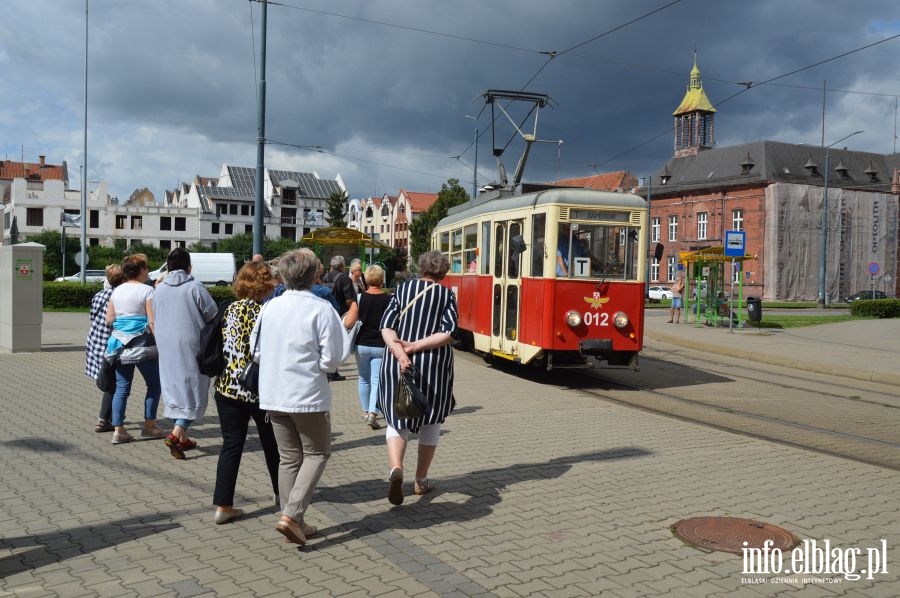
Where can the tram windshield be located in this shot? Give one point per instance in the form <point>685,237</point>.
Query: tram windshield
<point>596,251</point>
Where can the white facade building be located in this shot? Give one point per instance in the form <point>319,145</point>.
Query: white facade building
<point>205,211</point>
<point>387,218</point>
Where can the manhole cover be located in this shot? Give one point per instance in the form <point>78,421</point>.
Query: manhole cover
<point>728,534</point>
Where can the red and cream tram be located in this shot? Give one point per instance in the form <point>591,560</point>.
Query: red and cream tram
<point>552,277</point>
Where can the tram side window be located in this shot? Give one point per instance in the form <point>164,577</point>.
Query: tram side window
<point>470,240</point>
<point>538,234</point>
<point>485,247</point>
<point>445,244</point>
<point>515,252</point>
<point>512,312</point>
<point>498,254</point>
<point>631,253</point>
<point>456,245</point>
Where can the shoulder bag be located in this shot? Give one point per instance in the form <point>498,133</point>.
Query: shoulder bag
<point>106,376</point>
<point>248,377</point>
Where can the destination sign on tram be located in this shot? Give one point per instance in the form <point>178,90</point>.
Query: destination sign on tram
<point>576,214</point>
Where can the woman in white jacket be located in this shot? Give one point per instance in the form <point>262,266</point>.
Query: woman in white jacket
<point>300,338</point>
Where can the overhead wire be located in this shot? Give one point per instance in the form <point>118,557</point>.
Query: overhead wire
<point>552,55</point>
<point>405,27</point>
<point>706,77</point>
<point>323,150</point>
<point>358,149</point>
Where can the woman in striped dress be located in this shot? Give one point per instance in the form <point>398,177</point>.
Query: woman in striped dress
<point>417,328</point>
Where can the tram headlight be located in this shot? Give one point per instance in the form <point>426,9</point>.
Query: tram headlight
<point>620,319</point>
<point>573,318</point>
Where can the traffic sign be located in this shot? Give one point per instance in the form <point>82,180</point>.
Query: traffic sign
<point>735,242</point>
<point>87,259</point>
<point>874,268</point>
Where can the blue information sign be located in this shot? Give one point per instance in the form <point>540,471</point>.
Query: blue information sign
<point>735,241</point>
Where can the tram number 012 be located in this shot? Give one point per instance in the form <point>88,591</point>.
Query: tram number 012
<point>596,318</point>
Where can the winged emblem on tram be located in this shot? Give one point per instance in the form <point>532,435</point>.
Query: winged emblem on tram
<point>596,301</point>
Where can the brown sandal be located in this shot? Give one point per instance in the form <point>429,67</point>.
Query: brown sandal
<point>423,486</point>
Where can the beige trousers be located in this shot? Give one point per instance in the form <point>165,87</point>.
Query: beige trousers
<point>304,445</point>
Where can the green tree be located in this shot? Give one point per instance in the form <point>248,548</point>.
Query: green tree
<point>335,206</point>
<point>451,194</point>
<point>272,248</point>
<point>242,247</point>
<point>156,256</point>
<point>239,245</point>
<point>103,256</point>
<point>392,260</point>
<point>53,252</point>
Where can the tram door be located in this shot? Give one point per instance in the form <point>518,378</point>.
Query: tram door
<point>508,248</point>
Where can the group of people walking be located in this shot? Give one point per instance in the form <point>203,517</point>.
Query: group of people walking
<point>283,322</point>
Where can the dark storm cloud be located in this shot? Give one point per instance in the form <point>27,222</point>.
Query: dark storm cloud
<point>172,84</point>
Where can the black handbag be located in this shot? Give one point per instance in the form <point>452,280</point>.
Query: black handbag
<point>409,400</point>
<point>248,377</point>
<point>106,377</point>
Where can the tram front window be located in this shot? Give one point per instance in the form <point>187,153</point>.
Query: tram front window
<point>596,251</point>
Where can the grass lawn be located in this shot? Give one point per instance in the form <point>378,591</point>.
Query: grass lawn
<point>783,321</point>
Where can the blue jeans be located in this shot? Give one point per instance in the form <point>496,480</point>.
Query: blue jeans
<point>124,375</point>
<point>184,423</point>
<point>368,362</point>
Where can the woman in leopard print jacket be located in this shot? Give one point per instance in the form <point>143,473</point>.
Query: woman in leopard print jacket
<point>235,405</point>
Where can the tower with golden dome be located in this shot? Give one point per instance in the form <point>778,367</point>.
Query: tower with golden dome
<point>694,118</point>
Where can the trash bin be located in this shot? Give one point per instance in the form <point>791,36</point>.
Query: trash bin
<point>754,309</point>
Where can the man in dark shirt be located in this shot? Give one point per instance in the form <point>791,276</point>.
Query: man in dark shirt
<point>342,286</point>
<point>344,293</point>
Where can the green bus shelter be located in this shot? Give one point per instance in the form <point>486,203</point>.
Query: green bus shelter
<point>708,290</point>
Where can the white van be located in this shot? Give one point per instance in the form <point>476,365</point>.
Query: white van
<point>209,268</point>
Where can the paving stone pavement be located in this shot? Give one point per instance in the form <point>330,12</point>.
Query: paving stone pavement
<point>541,492</point>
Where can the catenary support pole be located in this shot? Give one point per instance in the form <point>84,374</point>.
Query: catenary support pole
<point>84,214</point>
<point>258,227</point>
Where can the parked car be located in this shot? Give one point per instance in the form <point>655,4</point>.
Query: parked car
<point>867,294</point>
<point>89,276</point>
<point>658,293</point>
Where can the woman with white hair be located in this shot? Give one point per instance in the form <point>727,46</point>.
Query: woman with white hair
<point>298,338</point>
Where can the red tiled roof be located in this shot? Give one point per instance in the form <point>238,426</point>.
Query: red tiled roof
<point>609,181</point>
<point>419,202</point>
<point>10,170</point>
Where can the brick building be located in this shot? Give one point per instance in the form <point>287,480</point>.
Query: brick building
<point>774,192</point>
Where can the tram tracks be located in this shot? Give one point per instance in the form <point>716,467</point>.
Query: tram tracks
<point>801,379</point>
<point>820,420</point>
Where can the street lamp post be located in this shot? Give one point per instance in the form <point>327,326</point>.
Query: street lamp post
<point>823,242</point>
<point>475,169</point>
